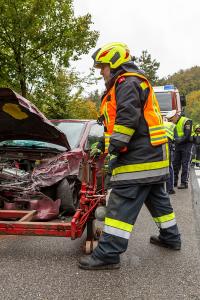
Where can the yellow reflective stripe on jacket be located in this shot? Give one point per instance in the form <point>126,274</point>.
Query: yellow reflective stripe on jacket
<point>144,85</point>
<point>141,167</point>
<point>121,137</point>
<point>157,127</point>
<point>157,139</point>
<point>107,141</point>
<point>166,152</point>
<point>123,129</point>
<point>158,142</point>
<point>165,218</point>
<point>119,224</point>
<point>140,175</point>
<point>157,134</point>
<point>106,113</point>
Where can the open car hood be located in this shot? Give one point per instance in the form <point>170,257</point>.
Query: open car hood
<point>21,120</point>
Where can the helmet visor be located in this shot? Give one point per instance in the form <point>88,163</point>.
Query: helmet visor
<point>94,55</point>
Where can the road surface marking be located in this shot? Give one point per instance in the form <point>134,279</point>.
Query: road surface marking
<point>197,172</point>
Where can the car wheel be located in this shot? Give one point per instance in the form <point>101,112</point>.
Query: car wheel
<point>75,188</point>
<point>65,194</point>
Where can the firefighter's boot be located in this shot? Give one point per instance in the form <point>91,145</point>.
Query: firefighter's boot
<point>159,242</point>
<point>91,262</point>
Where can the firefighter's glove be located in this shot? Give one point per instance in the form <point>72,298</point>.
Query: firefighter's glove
<point>95,153</point>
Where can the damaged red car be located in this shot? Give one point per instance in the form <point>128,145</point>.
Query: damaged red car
<point>41,160</point>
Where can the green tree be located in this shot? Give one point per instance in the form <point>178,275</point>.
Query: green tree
<point>193,106</point>
<point>54,97</point>
<point>148,65</point>
<point>38,37</point>
<point>86,109</point>
<point>61,98</point>
<point>185,80</point>
<point>96,98</point>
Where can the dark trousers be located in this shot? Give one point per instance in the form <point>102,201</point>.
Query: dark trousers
<point>182,160</point>
<point>124,204</point>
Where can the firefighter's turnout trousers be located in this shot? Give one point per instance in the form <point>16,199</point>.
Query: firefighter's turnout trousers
<point>182,160</point>
<point>123,207</point>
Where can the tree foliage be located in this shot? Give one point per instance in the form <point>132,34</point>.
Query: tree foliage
<point>38,41</point>
<point>148,65</point>
<point>38,37</point>
<point>185,80</point>
<point>193,106</point>
<point>96,98</point>
<point>53,98</point>
<point>83,109</point>
<point>61,98</point>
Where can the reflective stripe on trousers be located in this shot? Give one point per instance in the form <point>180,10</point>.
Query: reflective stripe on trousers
<point>118,228</point>
<point>165,221</point>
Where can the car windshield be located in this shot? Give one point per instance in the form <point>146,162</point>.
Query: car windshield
<point>165,101</point>
<point>72,130</point>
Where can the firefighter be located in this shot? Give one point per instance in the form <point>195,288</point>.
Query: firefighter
<point>136,142</point>
<point>169,127</point>
<point>183,147</point>
<point>196,147</point>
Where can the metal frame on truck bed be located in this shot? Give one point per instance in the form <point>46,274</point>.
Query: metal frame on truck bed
<point>19,222</point>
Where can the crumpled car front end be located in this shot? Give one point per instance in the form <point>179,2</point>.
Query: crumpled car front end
<point>30,170</point>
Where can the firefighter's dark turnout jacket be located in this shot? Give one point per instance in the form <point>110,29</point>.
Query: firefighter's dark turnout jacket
<point>133,122</point>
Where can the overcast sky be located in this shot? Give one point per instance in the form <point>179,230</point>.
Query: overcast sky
<point>168,30</point>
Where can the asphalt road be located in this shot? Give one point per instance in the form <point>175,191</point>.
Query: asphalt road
<point>46,268</point>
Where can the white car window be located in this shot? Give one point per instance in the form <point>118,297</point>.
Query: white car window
<point>95,134</point>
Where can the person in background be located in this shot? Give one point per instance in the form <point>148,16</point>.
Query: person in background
<point>196,147</point>
<point>170,127</point>
<point>183,147</point>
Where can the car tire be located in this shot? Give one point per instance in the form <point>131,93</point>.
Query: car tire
<point>65,194</point>
<point>75,186</point>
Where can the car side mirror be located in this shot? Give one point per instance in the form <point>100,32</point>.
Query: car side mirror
<point>183,100</point>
